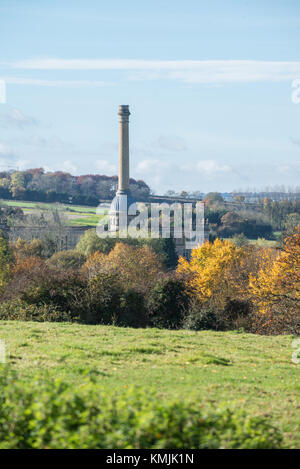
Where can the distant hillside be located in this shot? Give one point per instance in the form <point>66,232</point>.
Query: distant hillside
<point>40,186</point>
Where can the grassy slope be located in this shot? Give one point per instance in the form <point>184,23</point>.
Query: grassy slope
<point>252,372</point>
<point>76,215</point>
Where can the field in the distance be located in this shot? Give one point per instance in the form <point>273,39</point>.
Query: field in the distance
<point>251,372</point>
<point>72,215</point>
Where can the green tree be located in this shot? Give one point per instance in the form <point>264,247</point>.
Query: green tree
<point>6,258</point>
<point>90,242</point>
<point>17,184</point>
<point>70,259</point>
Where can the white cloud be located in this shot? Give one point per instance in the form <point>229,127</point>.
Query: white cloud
<point>8,160</point>
<point>209,168</point>
<point>153,171</point>
<point>22,164</point>
<point>52,142</point>
<point>54,83</point>
<point>150,165</point>
<point>5,151</point>
<point>15,118</point>
<point>288,169</point>
<point>171,143</point>
<point>190,71</point>
<point>295,141</point>
<point>69,167</point>
<point>105,167</point>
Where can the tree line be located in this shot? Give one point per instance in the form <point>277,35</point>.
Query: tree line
<point>138,283</point>
<point>46,186</point>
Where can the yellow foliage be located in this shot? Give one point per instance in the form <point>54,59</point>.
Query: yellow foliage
<point>278,282</point>
<point>94,264</point>
<point>219,271</point>
<point>23,249</point>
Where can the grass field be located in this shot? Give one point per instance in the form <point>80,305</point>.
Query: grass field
<point>74,215</point>
<point>245,371</point>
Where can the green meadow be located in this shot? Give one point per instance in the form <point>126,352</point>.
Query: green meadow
<point>73,215</point>
<point>243,371</point>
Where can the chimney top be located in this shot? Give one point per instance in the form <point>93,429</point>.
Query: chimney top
<point>124,110</point>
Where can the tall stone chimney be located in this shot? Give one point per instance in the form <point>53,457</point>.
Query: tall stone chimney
<point>123,185</point>
<point>123,200</point>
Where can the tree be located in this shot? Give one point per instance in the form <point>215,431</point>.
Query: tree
<point>239,199</point>
<point>167,303</point>
<point>17,184</point>
<point>230,219</point>
<point>278,283</point>
<point>136,267</point>
<point>90,242</point>
<point>240,240</point>
<point>218,272</point>
<point>5,261</point>
<point>165,249</point>
<point>23,249</point>
<point>292,220</point>
<point>213,198</point>
<point>70,259</point>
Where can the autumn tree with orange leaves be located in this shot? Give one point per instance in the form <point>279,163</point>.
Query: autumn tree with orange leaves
<point>277,286</point>
<point>136,267</point>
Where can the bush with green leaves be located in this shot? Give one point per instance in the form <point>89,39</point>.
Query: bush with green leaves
<point>21,311</point>
<point>102,300</point>
<point>201,317</point>
<point>64,290</point>
<point>70,259</point>
<point>6,257</point>
<point>51,414</point>
<point>90,242</point>
<point>132,310</point>
<point>167,303</point>
<point>108,302</point>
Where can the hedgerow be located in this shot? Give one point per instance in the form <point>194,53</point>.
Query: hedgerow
<point>54,414</point>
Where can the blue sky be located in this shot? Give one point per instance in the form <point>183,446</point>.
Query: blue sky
<point>209,84</point>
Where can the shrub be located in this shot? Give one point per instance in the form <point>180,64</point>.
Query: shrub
<point>201,317</point>
<point>280,320</point>
<point>132,310</point>
<point>136,267</point>
<point>235,309</point>
<point>240,240</point>
<point>107,301</point>
<point>6,257</point>
<point>165,249</point>
<point>102,300</point>
<point>23,248</point>
<point>52,414</point>
<point>66,260</point>
<point>18,310</point>
<point>167,303</point>
<point>63,290</point>
<point>90,242</point>
<point>35,284</point>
